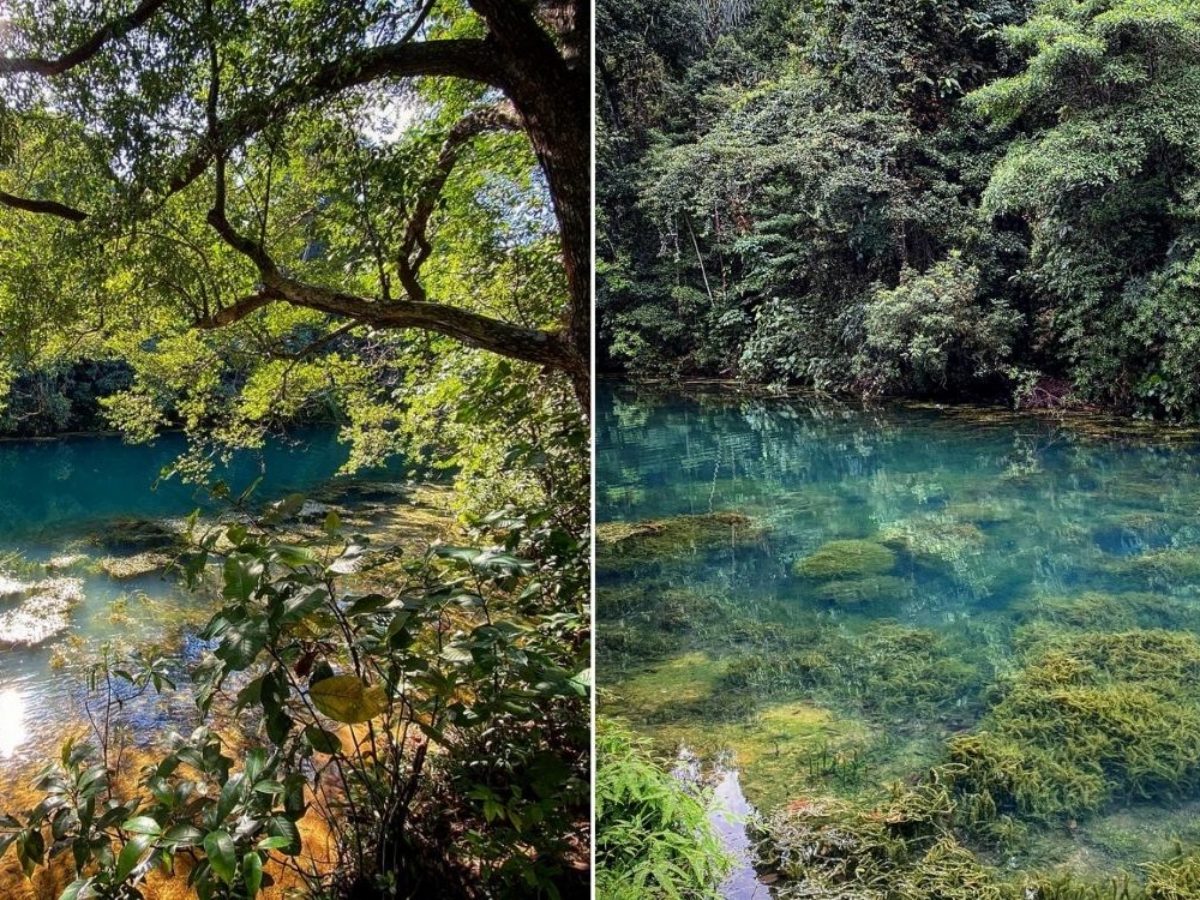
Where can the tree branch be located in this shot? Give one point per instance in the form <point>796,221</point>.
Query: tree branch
<point>475,330</point>
<point>545,348</point>
<point>110,31</point>
<point>45,207</point>
<point>457,58</point>
<point>415,248</point>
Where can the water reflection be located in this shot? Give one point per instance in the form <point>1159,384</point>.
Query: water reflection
<point>730,814</point>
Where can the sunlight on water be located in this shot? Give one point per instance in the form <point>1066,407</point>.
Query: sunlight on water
<point>12,722</point>
<point>64,513</point>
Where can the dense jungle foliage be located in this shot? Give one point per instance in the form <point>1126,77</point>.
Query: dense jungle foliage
<point>234,217</point>
<point>978,198</point>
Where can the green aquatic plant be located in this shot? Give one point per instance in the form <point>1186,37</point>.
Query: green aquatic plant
<point>1087,721</point>
<point>887,670</point>
<point>901,848</point>
<point>653,835</point>
<point>849,559</point>
<point>1174,564</point>
<point>660,604</point>
<point>1174,879</point>
<point>623,547</point>
<point>872,590</point>
<point>1046,618</point>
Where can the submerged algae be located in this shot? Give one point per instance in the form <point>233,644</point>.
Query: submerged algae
<point>629,546</point>
<point>888,670</point>
<point>870,590</point>
<point>848,559</point>
<point>1102,716</point>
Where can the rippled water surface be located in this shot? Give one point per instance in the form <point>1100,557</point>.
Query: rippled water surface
<point>63,498</point>
<point>849,591</point>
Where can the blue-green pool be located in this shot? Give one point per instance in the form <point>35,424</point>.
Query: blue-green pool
<point>58,499</point>
<point>833,601</point>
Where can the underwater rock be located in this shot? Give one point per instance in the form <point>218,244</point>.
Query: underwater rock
<point>137,535</point>
<point>982,512</point>
<point>312,511</point>
<point>1046,616</point>
<point>936,538</point>
<point>42,614</point>
<point>1172,564</point>
<point>848,559</point>
<point>1132,534</point>
<point>65,561</point>
<point>673,688</point>
<point>11,587</point>
<point>123,568</point>
<point>624,546</point>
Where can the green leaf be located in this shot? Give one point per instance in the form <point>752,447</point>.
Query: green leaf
<point>143,825</point>
<point>218,846</point>
<point>323,741</point>
<point>241,577</point>
<point>252,874</point>
<point>367,604</point>
<point>180,836</point>
<point>303,604</point>
<point>76,888</point>
<point>348,699</point>
<point>132,854</point>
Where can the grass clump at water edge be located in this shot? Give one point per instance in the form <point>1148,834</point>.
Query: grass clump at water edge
<point>653,835</point>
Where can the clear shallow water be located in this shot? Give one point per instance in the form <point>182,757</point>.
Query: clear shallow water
<point>997,530</point>
<point>57,497</point>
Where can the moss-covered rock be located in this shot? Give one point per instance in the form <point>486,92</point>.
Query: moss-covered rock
<point>123,568</point>
<point>934,538</point>
<point>627,546</point>
<point>43,613</point>
<point>850,559</point>
<point>1176,564</point>
<point>671,688</point>
<point>1044,618</point>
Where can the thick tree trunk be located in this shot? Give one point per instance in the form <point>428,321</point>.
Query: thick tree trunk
<point>551,92</point>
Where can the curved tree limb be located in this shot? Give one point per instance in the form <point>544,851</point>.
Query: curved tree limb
<point>466,58</point>
<point>415,248</point>
<point>475,330</point>
<point>45,207</point>
<point>110,31</point>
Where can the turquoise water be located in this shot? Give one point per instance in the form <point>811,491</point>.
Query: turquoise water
<point>968,541</point>
<point>64,497</point>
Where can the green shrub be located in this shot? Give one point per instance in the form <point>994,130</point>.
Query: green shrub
<point>653,837</point>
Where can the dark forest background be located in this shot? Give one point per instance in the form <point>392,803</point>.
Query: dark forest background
<point>974,199</point>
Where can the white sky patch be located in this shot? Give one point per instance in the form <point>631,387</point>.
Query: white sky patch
<point>385,120</point>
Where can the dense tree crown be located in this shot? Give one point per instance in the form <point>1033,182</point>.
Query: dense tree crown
<point>982,197</point>
<point>251,212</point>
